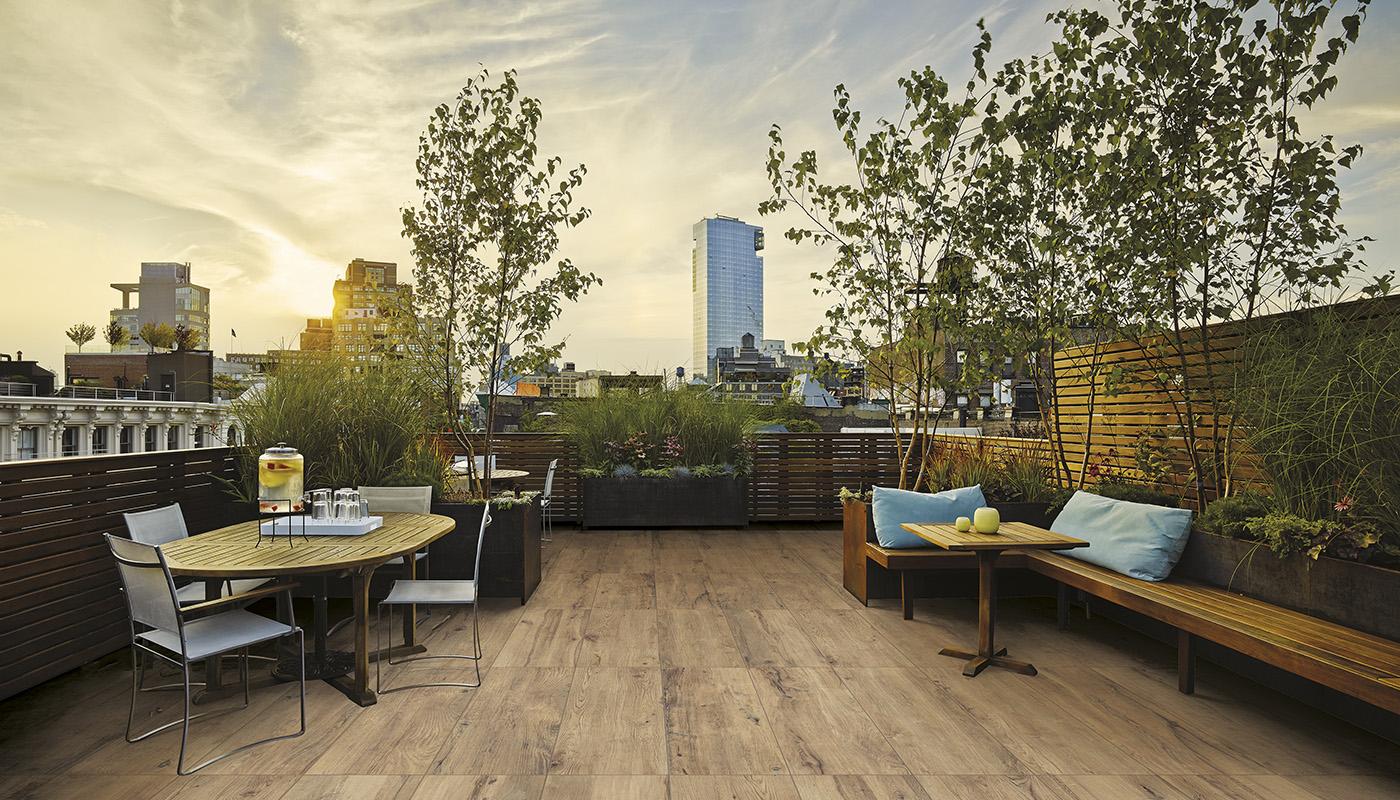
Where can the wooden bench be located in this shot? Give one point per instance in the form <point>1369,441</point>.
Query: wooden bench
<point>1352,662</point>
<point>867,567</point>
<point>904,562</point>
<point>1358,664</point>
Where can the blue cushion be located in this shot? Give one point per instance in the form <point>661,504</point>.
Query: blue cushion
<point>1137,539</point>
<point>894,507</point>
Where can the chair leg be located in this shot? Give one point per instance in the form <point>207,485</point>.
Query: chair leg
<point>243,673</point>
<point>301,728</point>
<point>136,659</point>
<point>388,656</point>
<point>185,726</point>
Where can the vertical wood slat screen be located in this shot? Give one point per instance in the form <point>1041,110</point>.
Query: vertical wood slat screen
<point>59,600</point>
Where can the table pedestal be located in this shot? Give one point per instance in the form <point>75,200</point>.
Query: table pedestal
<point>986,654</point>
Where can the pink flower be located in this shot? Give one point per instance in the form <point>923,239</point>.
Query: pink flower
<point>1344,505</point>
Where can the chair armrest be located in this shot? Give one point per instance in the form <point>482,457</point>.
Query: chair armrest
<point>241,597</point>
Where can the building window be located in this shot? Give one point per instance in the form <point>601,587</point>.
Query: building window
<point>71,436</point>
<point>101,440</point>
<point>151,441</point>
<point>172,438</point>
<point>28,443</point>
<point>199,436</point>
<point>232,436</point>
<point>126,439</point>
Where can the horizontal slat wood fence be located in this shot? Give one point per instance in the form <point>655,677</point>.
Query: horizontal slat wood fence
<point>797,477</point>
<point>59,604</point>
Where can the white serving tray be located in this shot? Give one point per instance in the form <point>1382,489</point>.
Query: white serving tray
<point>320,527</point>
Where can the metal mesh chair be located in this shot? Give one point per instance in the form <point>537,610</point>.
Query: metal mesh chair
<point>546,502</point>
<point>408,499</point>
<point>433,593</point>
<point>164,629</point>
<point>167,524</point>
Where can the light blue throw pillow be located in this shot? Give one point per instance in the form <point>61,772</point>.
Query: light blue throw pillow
<point>1137,539</point>
<point>894,507</point>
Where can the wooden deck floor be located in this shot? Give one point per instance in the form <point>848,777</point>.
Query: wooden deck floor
<point>656,665</point>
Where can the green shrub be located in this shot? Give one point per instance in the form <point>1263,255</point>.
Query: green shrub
<point>658,430</point>
<point>353,428</point>
<point>1318,397</point>
<point>1230,516</point>
<point>1027,479</point>
<point>1288,534</point>
<point>1135,493</point>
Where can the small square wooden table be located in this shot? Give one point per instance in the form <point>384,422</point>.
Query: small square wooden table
<point>987,546</point>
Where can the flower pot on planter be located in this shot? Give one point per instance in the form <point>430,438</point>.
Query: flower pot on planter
<point>665,502</point>
<point>1349,593</point>
<point>510,557</point>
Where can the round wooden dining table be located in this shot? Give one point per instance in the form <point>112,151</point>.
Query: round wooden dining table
<point>238,551</point>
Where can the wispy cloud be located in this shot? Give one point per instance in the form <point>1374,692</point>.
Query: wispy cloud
<point>270,143</point>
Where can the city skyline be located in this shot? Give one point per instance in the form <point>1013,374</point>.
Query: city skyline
<point>272,160</point>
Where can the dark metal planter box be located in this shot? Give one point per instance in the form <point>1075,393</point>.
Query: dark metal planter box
<point>665,502</point>
<point>1349,593</point>
<point>510,560</point>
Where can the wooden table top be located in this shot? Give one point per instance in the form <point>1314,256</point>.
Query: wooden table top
<point>1011,536</point>
<point>233,552</point>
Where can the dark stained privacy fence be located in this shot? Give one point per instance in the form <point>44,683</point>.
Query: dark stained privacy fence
<point>59,603</point>
<point>796,476</point>
<point>59,600</point>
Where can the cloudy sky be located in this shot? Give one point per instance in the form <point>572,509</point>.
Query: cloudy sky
<point>270,143</point>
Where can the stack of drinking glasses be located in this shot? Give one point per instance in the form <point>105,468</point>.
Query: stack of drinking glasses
<point>340,505</point>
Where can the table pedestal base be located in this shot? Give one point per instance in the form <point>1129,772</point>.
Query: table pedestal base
<point>976,662</point>
<point>319,667</point>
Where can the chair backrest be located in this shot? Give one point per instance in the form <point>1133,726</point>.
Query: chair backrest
<point>157,526</point>
<point>411,499</point>
<point>149,589</point>
<point>549,480</point>
<point>480,540</point>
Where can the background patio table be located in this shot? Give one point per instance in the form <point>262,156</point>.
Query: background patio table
<point>234,552</point>
<point>460,483</point>
<point>987,546</point>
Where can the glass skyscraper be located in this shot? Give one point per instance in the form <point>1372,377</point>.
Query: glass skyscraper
<point>726,287</point>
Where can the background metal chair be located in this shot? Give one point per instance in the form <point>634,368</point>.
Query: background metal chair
<point>407,499</point>
<point>167,524</point>
<point>163,628</point>
<point>433,593</point>
<point>546,503</point>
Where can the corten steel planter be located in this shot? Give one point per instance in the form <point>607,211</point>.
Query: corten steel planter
<point>665,502</point>
<point>867,580</point>
<point>1349,593</point>
<point>510,558</point>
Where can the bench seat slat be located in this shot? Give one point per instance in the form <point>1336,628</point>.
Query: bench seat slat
<point>1350,661</point>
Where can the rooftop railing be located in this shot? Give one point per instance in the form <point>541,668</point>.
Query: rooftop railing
<point>105,393</point>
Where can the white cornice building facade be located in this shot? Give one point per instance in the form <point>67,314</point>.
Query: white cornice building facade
<point>55,427</point>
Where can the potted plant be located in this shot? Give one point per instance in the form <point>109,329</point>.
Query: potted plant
<point>1340,567</point>
<point>510,556</point>
<point>488,285</point>
<point>661,459</point>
